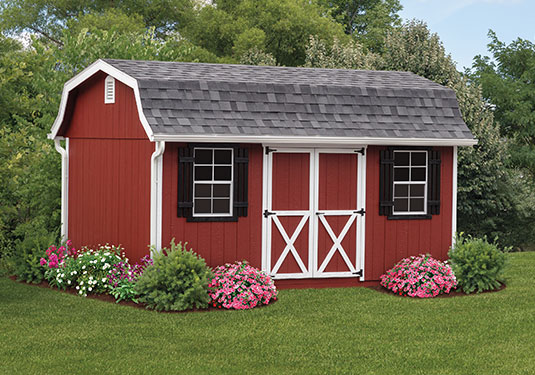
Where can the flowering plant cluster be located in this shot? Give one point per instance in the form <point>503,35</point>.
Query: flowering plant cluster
<point>86,271</point>
<point>56,255</point>
<point>122,278</point>
<point>421,276</point>
<point>240,286</point>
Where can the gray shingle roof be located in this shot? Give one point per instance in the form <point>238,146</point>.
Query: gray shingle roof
<point>206,99</point>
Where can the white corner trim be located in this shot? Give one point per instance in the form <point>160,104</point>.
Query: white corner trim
<point>156,180</point>
<point>74,82</point>
<point>454,198</point>
<point>64,152</point>
<point>315,141</point>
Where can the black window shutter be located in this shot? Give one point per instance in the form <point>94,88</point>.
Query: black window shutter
<point>241,177</point>
<point>386,182</point>
<point>185,181</point>
<point>433,188</point>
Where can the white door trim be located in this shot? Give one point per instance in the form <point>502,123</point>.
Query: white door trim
<point>310,216</point>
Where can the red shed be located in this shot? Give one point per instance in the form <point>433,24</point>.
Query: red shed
<point>320,177</point>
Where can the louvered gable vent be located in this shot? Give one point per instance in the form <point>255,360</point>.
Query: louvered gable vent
<point>109,90</point>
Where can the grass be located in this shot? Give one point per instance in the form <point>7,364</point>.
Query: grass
<point>323,331</point>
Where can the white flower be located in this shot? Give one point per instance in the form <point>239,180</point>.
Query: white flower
<point>83,267</point>
<point>90,289</point>
<point>81,283</point>
<point>60,281</point>
<point>80,292</point>
<point>103,279</point>
<point>77,287</point>
<point>62,275</point>
<point>69,282</point>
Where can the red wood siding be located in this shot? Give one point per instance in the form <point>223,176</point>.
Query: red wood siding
<point>109,170</point>
<point>387,241</point>
<point>217,242</point>
<point>91,118</point>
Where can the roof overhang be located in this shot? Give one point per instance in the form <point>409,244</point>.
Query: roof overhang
<point>321,141</point>
<point>85,74</point>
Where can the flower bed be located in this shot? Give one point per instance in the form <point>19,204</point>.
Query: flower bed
<point>421,276</point>
<point>177,279</point>
<point>240,286</point>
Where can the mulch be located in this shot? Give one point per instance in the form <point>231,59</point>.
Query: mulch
<point>111,299</point>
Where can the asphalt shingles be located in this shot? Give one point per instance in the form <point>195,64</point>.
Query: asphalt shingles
<point>191,98</point>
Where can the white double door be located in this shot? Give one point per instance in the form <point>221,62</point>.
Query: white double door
<point>313,219</point>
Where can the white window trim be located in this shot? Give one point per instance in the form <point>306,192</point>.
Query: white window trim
<point>215,182</point>
<point>425,183</point>
<point>109,95</point>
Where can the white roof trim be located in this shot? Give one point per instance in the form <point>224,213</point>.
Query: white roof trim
<point>97,66</point>
<point>333,141</point>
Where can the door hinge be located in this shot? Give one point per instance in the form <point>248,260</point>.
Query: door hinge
<point>267,213</point>
<point>361,151</point>
<point>358,273</point>
<point>320,213</point>
<point>269,149</point>
<point>361,212</point>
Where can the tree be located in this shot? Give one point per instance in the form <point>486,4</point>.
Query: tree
<point>368,20</point>
<point>508,83</point>
<point>278,27</point>
<point>49,17</point>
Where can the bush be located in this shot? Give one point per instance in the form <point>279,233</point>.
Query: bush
<point>178,280</point>
<point>240,286</point>
<point>28,252</point>
<point>477,264</point>
<point>421,276</point>
<point>87,270</point>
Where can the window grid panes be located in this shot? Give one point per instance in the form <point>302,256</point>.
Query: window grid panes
<point>410,182</point>
<point>212,182</point>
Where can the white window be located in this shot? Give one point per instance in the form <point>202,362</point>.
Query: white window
<point>109,90</point>
<point>212,182</point>
<point>410,182</point>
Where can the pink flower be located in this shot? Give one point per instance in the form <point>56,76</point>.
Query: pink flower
<point>42,262</point>
<point>68,243</point>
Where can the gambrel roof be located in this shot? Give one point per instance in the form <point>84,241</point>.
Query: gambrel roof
<point>197,100</point>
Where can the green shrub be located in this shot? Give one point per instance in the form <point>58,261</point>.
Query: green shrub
<point>477,264</point>
<point>28,252</point>
<point>178,280</point>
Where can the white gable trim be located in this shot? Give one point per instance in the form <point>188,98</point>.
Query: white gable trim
<point>92,69</point>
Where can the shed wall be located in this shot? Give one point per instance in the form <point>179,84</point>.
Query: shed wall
<point>388,241</point>
<point>216,242</point>
<point>109,170</point>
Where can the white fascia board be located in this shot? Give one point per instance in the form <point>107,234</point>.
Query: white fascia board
<point>97,66</point>
<point>320,141</point>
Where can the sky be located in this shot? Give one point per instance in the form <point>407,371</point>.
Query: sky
<point>462,25</point>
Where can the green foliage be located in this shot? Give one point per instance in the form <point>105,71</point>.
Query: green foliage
<point>88,272</point>
<point>278,27</point>
<point>49,17</point>
<point>337,55</point>
<point>368,20</point>
<point>257,57</point>
<point>125,291</point>
<point>477,264</point>
<point>508,83</point>
<point>178,280</point>
<point>29,251</point>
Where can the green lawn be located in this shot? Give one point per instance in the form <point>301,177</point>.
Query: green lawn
<point>324,331</point>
